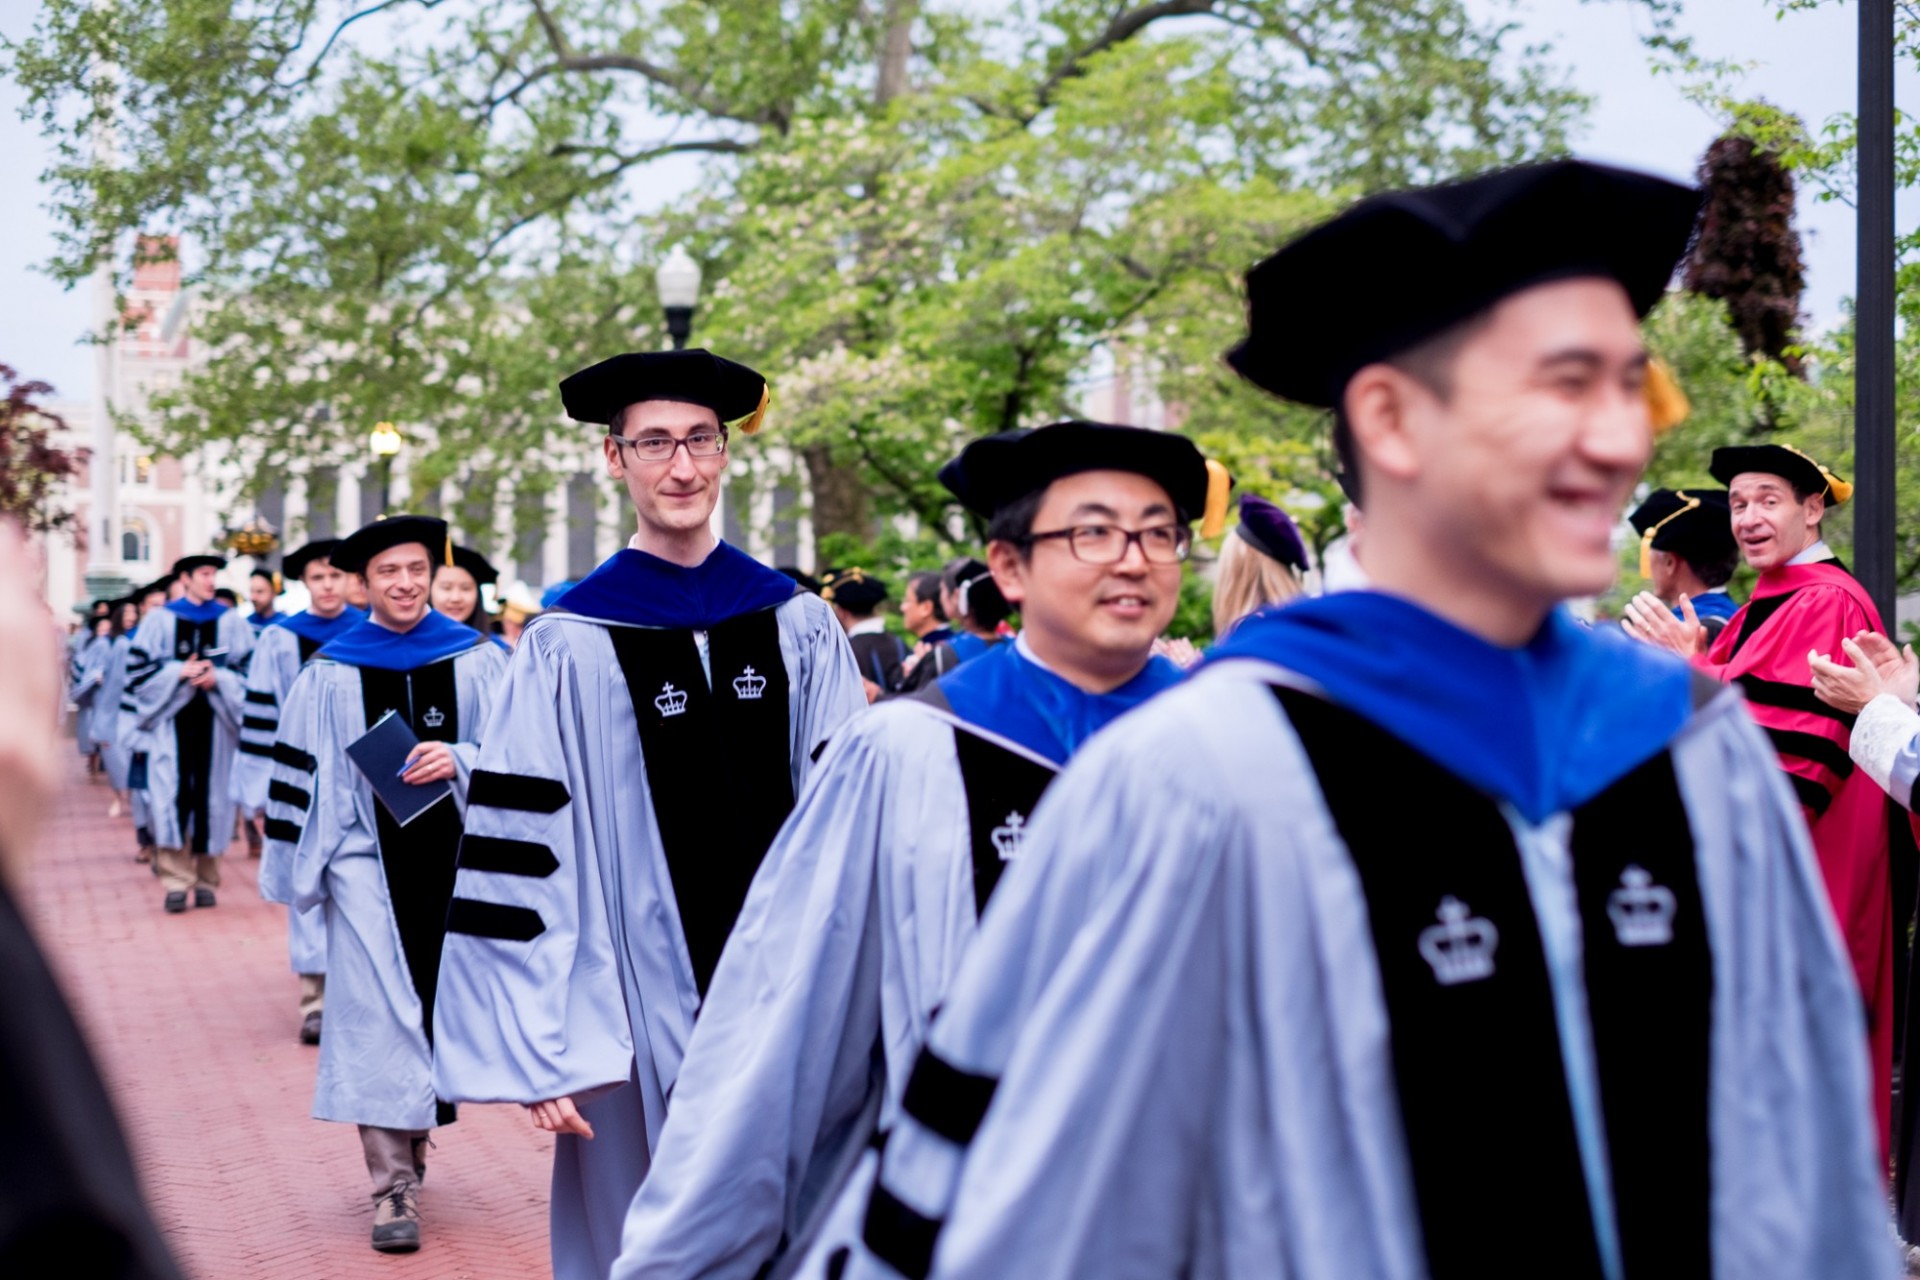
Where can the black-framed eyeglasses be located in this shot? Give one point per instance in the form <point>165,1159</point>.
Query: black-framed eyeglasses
<point>661,448</point>
<point>1108,543</point>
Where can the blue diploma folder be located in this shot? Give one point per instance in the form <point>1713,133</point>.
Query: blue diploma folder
<point>380,753</point>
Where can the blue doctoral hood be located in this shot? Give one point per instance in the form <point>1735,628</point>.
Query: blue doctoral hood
<point>434,639</point>
<point>1544,727</point>
<point>196,612</point>
<point>643,590</point>
<point>1009,693</point>
<point>321,630</point>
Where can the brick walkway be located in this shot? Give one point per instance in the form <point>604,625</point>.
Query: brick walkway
<point>192,1018</point>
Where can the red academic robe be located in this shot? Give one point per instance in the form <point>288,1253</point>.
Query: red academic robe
<point>1795,610</point>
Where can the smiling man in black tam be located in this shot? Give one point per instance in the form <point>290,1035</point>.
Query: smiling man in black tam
<point>1423,931</point>
<point>872,892</point>
<point>335,845</point>
<point>654,728</point>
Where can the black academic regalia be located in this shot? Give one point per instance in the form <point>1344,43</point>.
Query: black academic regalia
<point>70,1202</point>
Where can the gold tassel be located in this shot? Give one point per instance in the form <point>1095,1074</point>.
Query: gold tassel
<point>758,417</point>
<point>1213,521</point>
<point>1646,539</point>
<point>1837,489</point>
<point>449,548</point>
<point>1667,404</point>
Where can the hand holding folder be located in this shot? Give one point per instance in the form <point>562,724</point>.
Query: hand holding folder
<point>381,756</point>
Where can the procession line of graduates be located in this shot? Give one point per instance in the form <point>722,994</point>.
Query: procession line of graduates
<point>1422,932</point>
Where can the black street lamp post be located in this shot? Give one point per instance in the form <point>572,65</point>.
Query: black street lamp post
<point>1873,388</point>
<point>678,281</point>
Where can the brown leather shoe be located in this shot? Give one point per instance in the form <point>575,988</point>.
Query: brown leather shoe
<point>396,1220</point>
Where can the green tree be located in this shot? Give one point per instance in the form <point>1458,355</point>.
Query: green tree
<point>922,220</point>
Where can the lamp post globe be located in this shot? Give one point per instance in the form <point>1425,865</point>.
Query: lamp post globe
<point>384,442</point>
<point>678,282</point>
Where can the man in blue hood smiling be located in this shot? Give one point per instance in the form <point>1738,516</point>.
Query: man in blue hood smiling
<point>1423,931</point>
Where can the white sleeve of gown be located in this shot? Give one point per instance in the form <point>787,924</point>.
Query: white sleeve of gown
<point>270,673</point>
<point>781,1065</point>
<point>309,796</point>
<point>1886,743</point>
<point>530,1003</point>
<point>833,692</point>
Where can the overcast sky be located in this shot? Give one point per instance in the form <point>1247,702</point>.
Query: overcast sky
<point>1805,64</point>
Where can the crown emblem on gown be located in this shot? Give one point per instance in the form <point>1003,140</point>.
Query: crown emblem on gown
<point>671,701</point>
<point>748,686</point>
<point>1641,911</point>
<point>434,718</point>
<point>1007,836</point>
<point>1460,948</point>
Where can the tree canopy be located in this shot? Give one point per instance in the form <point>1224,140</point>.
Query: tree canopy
<point>923,221</point>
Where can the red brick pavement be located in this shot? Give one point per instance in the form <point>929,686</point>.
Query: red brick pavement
<point>192,1018</point>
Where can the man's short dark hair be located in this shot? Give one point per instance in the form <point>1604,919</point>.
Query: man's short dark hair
<point>1428,362</point>
<point>263,573</point>
<point>1716,573</point>
<point>925,587</point>
<point>1013,522</point>
<point>227,594</point>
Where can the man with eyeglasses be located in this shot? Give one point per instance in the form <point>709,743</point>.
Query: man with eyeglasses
<point>1422,931</point>
<point>872,891</point>
<point>654,728</point>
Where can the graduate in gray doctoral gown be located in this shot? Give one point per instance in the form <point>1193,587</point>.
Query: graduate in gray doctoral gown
<point>383,887</point>
<point>187,733</point>
<point>650,738</point>
<point>103,722</point>
<point>868,899</point>
<point>283,647</point>
<point>1395,946</point>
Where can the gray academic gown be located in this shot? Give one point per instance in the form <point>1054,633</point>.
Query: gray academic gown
<point>189,800</point>
<point>103,724</point>
<point>596,995</point>
<point>856,921</point>
<point>1168,1052</point>
<point>270,675</point>
<point>324,853</point>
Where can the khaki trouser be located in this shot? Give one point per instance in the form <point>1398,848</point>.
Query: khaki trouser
<point>313,993</point>
<point>181,871</point>
<point>393,1156</point>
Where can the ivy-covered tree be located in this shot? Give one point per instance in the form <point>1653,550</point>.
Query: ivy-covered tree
<point>1747,253</point>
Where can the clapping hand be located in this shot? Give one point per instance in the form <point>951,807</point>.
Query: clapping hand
<point>1878,668</point>
<point>1648,618</point>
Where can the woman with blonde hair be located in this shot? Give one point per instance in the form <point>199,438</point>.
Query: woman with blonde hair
<point>1260,564</point>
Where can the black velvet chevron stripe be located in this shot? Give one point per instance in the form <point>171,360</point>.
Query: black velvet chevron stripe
<point>1811,793</point>
<point>899,1235</point>
<point>492,920</point>
<point>129,708</point>
<point>263,697</point>
<point>281,829</point>
<point>1790,697</point>
<point>507,857</point>
<point>287,793</point>
<point>1758,611</point>
<point>520,791</point>
<point>945,1099</point>
<point>259,722</point>
<point>1824,752</point>
<point>256,749</point>
<point>293,757</point>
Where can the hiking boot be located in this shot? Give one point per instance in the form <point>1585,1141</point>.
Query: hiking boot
<point>310,1028</point>
<point>396,1220</point>
<point>203,898</point>
<point>176,902</point>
